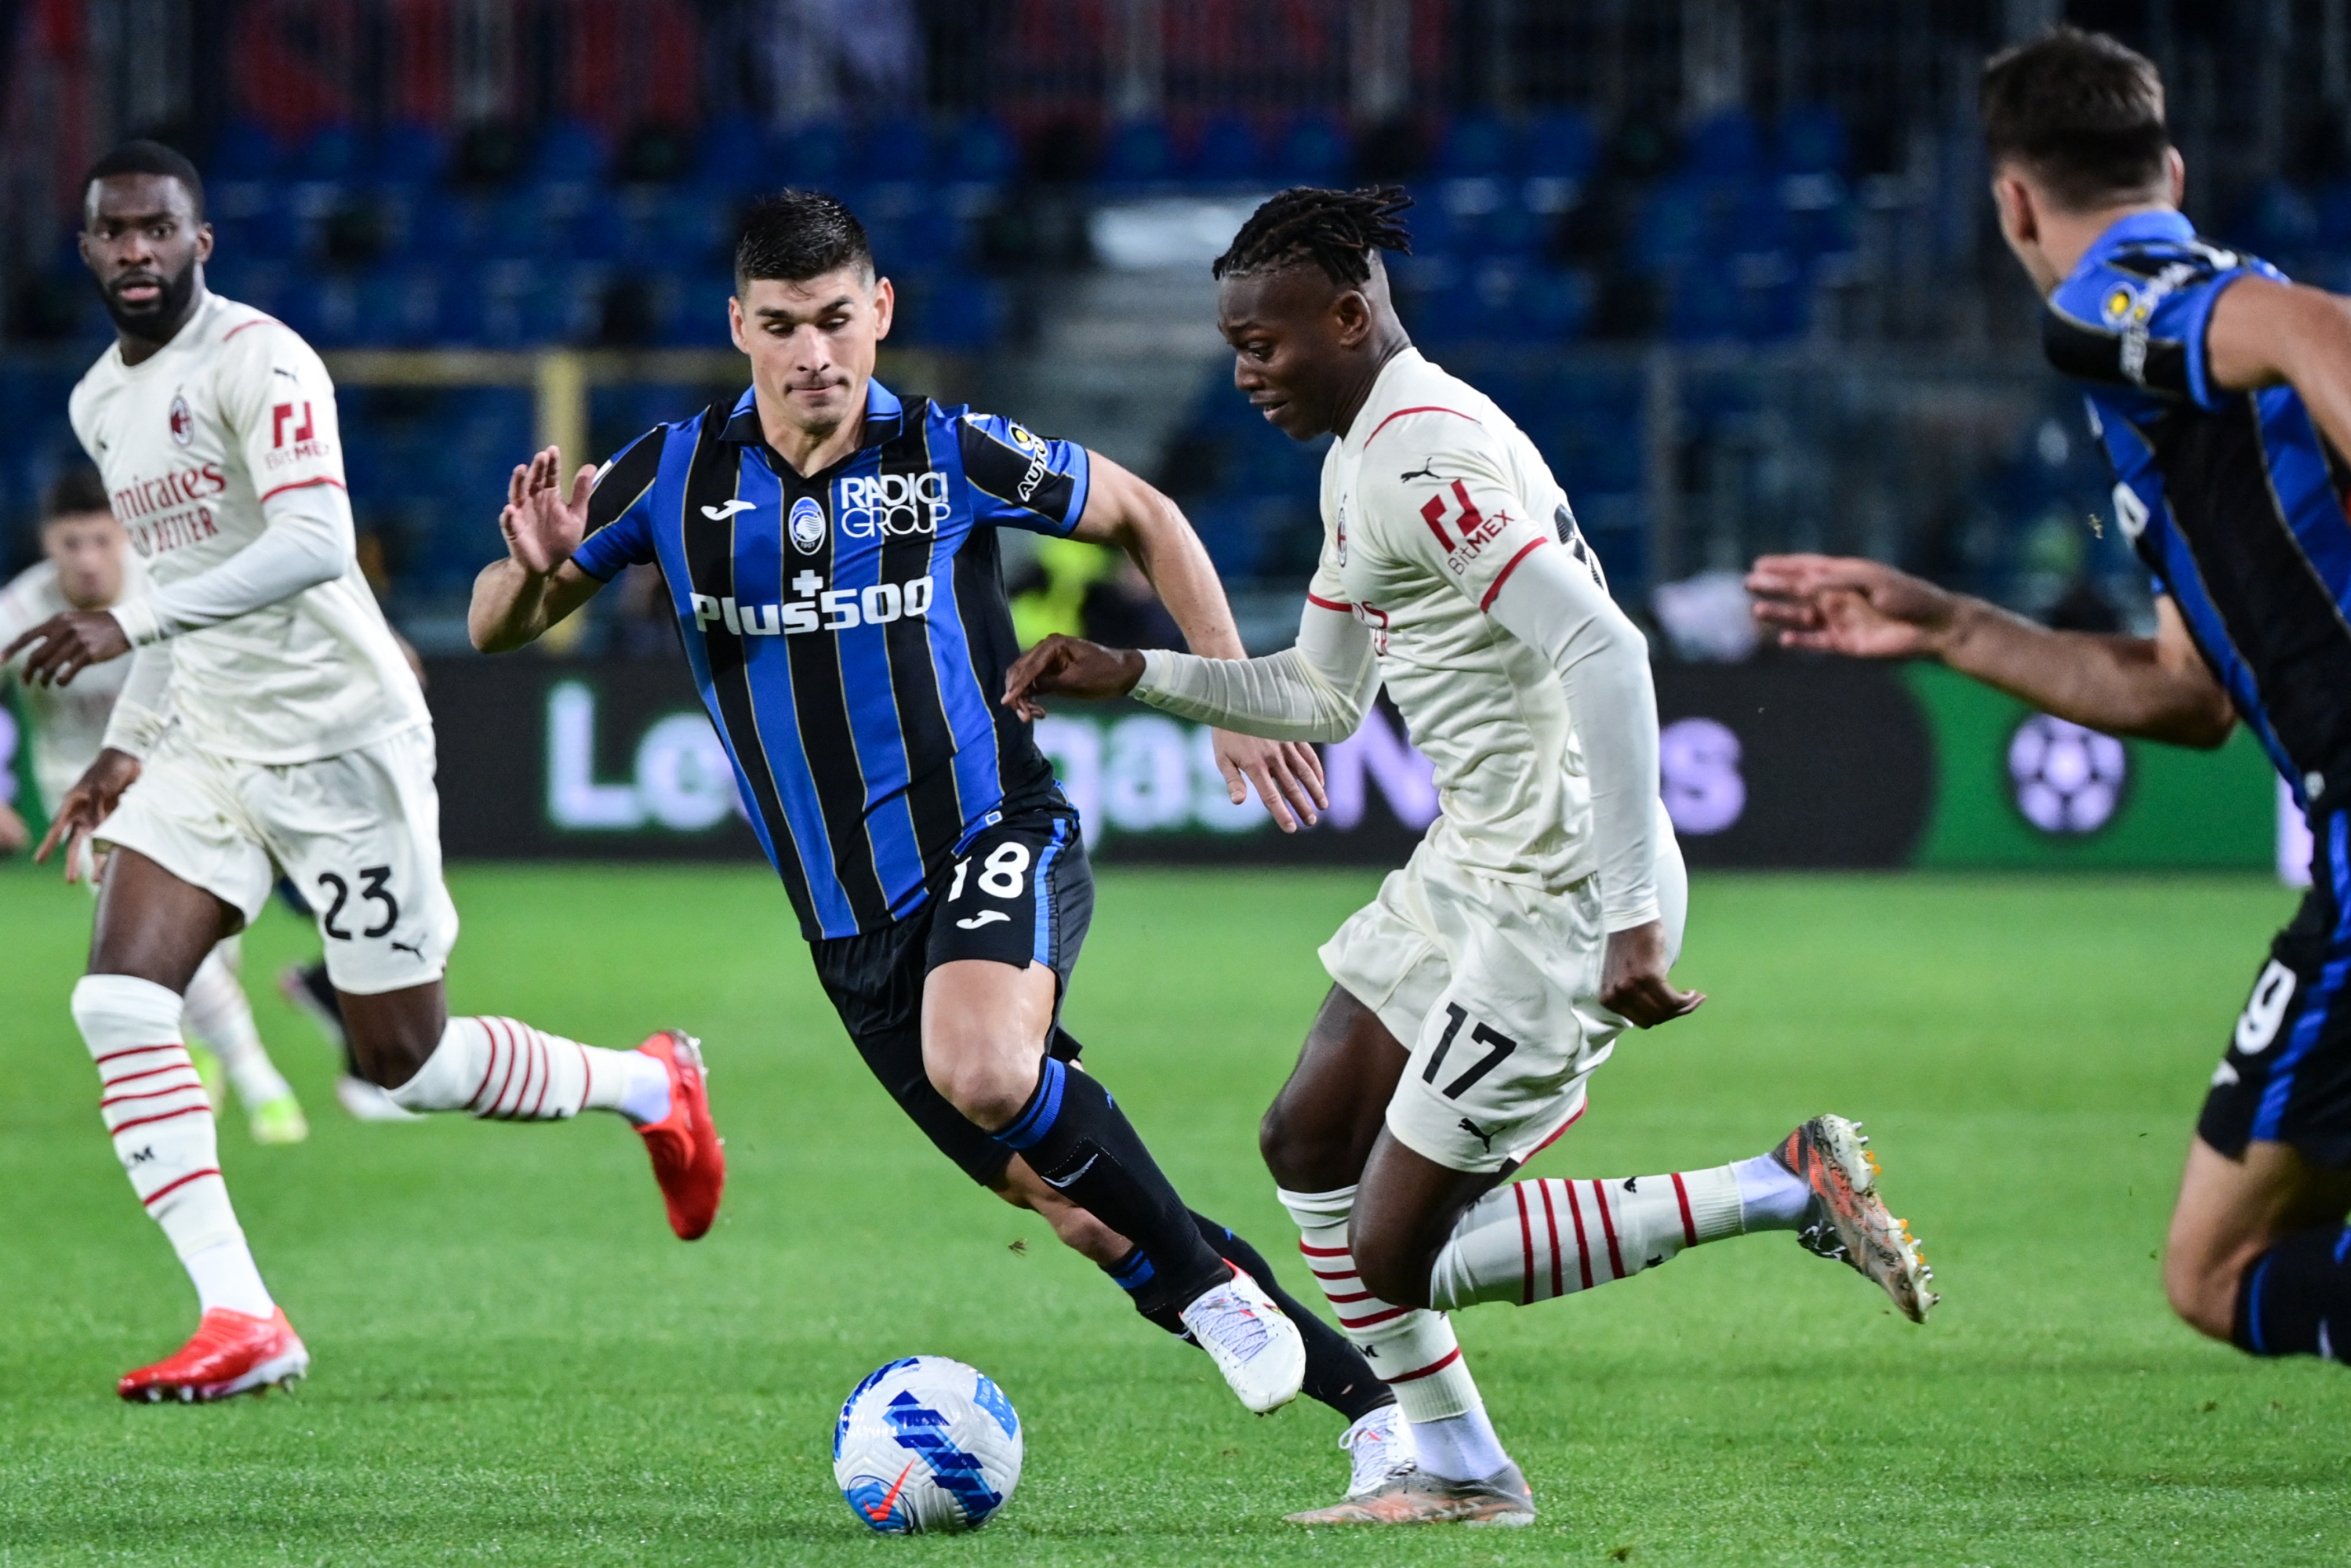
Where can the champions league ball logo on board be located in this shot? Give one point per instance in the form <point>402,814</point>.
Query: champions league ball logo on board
<point>2068,780</point>
<point>806,526</point>
<point>183,420</point>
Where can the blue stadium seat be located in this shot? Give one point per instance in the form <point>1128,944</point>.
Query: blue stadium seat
<point>956,312</point>
<point>1140,152</point>
<point>1813,141</point>
<point>1559,145</point>
<point>1725,146</point>
<point>1313,150</point>
<point>569,149</point>
<point>816,153</point>
<point>896,150</point>
<point>409,153</point>
<point>330,152</point>
<point>733,155</point>
<point>243,150</point>
<point>1229,152</point>
<point>1478,144</point>
<point>980,149</point>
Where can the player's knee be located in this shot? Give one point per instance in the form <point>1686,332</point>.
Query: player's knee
<point>1392,1269</point>
<point>2202,1293</point>
<point>987,1089</point>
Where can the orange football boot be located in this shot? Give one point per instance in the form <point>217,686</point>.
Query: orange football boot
<point>689,1158</point>
<point>1846,1219</point>
<point>231,1354</point>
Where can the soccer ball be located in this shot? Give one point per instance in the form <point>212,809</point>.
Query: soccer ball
<point>926,1443</point>
<point>2068,780</point>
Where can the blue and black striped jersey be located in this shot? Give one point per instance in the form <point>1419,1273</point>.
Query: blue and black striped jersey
<point>2233,499</point>
<point>848,631</point>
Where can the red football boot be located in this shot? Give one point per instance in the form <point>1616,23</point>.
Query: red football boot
<point>231,1354</point>
<point>689,1159</point>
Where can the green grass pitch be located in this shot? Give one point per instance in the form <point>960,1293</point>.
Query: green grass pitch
<point>515,1362</point>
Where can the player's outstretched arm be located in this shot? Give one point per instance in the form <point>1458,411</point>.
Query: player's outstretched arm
<point>517,598</point>
<point>1122,510</point>
<point>2158,688</point>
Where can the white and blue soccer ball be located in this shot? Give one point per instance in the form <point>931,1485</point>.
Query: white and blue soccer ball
<point>926,1443</point>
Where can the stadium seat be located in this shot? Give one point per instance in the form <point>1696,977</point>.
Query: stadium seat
<point>815,153</point>
<point>896,150</point>
<point>331,153</point>
<point>1559,145</point>
<point>980,149</point>
<point>243,151</point>
<point>569,151</point>
<point>732,154</point>
<point>1140,152</point>
<point>1229,152</point>
<point>1477,144</point>
<point>1314,150</point>
<point>1813,141</point>
<point>408,152</point>
<point>1725,146</point>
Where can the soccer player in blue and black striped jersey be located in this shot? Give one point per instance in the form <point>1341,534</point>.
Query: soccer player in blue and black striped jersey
<point>830,550</point>
<point>2222,395</point>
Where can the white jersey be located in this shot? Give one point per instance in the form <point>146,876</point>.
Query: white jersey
<point>235,409</point>
<point>1428,503</point>
<point>68,722</point>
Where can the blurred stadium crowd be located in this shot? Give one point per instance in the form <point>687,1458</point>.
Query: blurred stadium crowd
<point>1729,261</point>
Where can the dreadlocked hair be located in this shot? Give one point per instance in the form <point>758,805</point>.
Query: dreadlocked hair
<point>1336,230</point>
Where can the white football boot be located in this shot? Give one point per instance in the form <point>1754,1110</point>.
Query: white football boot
<point>1380,1447</point>
<point>1257,1348</point>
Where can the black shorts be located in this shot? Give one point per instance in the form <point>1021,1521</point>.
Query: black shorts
<point>2286,1078</point>
<point>1021,891</point>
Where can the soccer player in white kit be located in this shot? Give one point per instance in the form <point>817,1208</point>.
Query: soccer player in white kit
<point>1475,996</point>
<point>268,724</point>
<point>88,565</point>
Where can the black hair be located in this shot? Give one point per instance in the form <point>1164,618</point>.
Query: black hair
<point>149,158</point>
<point>798,235</point>
<point>1336,230</point>
<point>2082,111</point>
<point>78,489</point>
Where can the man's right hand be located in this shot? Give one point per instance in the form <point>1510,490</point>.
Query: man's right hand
<point>90,802</point>
<point>1836,604</point>
<point>1069,667</point>
<point>542,527</point>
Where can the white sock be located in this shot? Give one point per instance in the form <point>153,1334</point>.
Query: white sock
<point>1533,1240</point>
<point>1771,1196</point>
<point>1460,1448</point>
<point>501,1069</point>
<point>154,1106</point>
<point>216,1011</point>
<point>1413,1350</point>
<point>225,1276</point>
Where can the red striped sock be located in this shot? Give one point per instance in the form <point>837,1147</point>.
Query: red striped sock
<point>1533,1240</point>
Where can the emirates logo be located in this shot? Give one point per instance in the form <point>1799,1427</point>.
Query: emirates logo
<point>183,420</point>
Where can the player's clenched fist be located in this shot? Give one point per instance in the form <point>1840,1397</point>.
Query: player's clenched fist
<point>1633,978</point>
<point>1070,667</point>
<point>1837,604</point>
<point>541,525</point>
<point>69,643</point>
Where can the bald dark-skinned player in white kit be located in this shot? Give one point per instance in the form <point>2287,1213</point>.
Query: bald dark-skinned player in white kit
<point>269,726</point>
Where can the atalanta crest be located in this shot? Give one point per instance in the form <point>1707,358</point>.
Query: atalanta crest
<point>183,420</point>
<point>806,526</point>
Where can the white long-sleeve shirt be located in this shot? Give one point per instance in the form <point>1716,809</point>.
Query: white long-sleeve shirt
<point>1453,572</point>
<point>223,459</point>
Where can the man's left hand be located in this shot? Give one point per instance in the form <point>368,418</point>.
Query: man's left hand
<point>1287,773</point>
<point>69,642</point>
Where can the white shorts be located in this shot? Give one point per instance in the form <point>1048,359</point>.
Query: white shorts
<point>359,834</point>
<point>1493,987</point>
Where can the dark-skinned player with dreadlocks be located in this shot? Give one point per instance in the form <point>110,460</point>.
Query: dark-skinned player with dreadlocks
<point>1474,997</point>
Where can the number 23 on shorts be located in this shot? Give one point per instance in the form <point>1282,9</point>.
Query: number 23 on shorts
<point>373,889</point>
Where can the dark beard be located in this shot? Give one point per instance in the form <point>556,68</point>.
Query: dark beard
<point>154,323</point>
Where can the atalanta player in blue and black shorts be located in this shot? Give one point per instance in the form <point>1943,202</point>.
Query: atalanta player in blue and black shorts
<point>830,551</point>
<point>2222,395</point>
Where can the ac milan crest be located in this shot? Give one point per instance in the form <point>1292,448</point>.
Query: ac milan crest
<point>183,420</point>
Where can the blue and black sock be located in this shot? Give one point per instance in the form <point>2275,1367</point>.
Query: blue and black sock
<point>1336,1373</point>
<point>1075,1137</point>
<point>2295,1298</point>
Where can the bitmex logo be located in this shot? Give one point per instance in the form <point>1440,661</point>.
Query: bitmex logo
<point>818,608</point>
